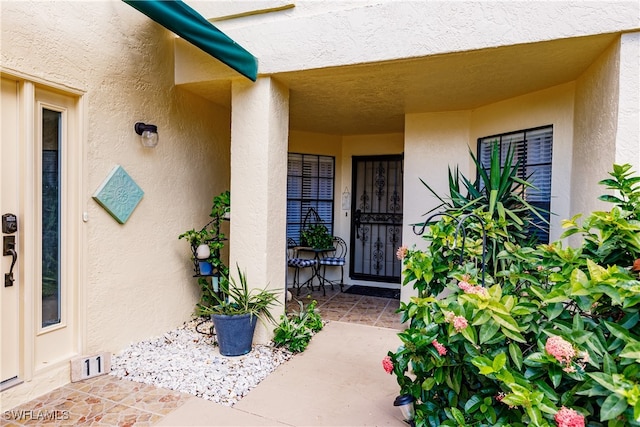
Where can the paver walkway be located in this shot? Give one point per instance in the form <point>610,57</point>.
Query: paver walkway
<point>337,381</point>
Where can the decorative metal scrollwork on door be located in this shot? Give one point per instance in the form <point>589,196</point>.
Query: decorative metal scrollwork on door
<point>377,220</point>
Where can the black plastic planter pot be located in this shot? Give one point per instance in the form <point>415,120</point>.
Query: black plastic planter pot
<point>234,333</point>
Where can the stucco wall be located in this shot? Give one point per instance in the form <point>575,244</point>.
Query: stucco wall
<point>628,127</point>
<point>260,129</point>
<point>596,116</point>
<point>122,62</point>
<point>433,142</point>
<point>316,34</point>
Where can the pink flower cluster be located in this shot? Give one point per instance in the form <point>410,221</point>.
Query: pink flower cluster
<point>442,350</point>
<point>459,323</point>
<point>561,349</point>
<point>468,288</point>
<point>387,364</point>
<point>566,417</point>
<point>401,253</point>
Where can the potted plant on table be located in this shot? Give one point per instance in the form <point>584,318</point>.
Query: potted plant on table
<point>316,236</point>
<point>235,314</point>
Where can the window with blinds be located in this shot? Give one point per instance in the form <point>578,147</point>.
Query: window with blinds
<point>533,148</point>
<point>310,180</point>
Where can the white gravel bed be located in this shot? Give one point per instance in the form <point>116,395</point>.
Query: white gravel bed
<point>187,361</point>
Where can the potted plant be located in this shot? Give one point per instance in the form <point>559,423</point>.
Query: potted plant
<point>316,236</point>
<point>235,314</point>
<point>206,247</point>
<point>220,211</point>
<point>200,246</point>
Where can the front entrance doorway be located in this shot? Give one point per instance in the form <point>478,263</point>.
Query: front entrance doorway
<point>376,211</point>
<point>40,178</point>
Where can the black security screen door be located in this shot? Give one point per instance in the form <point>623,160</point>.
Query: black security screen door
<point>376,212</point>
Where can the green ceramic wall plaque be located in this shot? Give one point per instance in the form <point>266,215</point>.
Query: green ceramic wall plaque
<point>119,194</point>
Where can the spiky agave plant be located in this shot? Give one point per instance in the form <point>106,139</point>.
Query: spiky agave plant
<point>498,192</point>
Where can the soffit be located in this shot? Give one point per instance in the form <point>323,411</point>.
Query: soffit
<point>374,98</point>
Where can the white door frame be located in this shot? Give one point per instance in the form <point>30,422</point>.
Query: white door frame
<point>44,351</point>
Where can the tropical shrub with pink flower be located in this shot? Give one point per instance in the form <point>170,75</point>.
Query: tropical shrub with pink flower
<point>547,335</point>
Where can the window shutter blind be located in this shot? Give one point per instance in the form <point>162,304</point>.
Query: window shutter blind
<point>310,182</point>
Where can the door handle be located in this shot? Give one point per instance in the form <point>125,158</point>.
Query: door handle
<point>8,249</point>
<point>356,221</point>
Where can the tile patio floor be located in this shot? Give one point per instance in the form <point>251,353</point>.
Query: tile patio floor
<point>364,310</point>
<point>337,381</point>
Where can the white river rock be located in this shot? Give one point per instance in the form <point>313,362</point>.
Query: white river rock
<point>186,360</point>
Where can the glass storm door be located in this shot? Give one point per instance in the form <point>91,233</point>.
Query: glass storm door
<point>376,212</point>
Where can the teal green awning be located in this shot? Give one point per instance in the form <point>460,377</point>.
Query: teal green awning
<point>185,22</point>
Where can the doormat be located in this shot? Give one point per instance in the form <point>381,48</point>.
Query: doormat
<point>371,291</point>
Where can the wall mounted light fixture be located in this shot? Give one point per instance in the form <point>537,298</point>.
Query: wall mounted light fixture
<point>148,134</point>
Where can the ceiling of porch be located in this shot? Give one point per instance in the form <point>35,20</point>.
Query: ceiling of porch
<point>373,98</point>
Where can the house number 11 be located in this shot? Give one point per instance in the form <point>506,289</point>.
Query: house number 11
<point>90,366</point>
<point>88,363</point>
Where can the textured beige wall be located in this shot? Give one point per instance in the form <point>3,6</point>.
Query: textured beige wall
<point>260,126</point>
<point>596,117</point>
<point>628,127</point>
<point>298,38</point>
<point>433,142</point>
<point>138,281</point>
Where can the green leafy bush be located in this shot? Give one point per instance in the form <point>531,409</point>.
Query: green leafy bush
<point>317,236</point>
<point>552,338</point>
<point>295,331</point>
<point>491,213</point>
